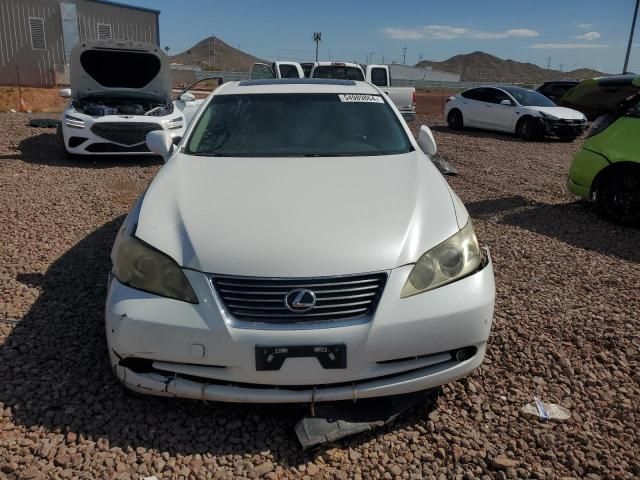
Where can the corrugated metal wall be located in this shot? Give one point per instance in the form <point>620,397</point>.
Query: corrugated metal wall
<point>37,67</point>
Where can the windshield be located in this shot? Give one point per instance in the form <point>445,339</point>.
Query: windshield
<point>529,98</point>
<point>338,72</point>
<point>275,125</point>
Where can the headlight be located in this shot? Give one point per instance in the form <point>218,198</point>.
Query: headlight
<point>452,260</point>
<point>175,123</point>
<point>73,122</point>
<point>142,267</point>
<point>548,116</point>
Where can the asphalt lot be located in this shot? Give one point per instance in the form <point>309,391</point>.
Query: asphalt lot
<point>565,329</point>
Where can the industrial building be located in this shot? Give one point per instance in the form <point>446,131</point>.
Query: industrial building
<point>36,36</point>
<point>407,72</point>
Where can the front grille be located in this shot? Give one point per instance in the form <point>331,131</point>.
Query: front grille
<point>263,299</point>
<point>114,148</point>
<point>124,133</point>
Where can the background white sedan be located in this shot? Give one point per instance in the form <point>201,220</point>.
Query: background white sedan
<point>524,112</point>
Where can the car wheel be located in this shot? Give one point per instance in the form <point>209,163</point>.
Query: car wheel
<point>528,129</point>
<point>455,120</point>
<point>618,197</point>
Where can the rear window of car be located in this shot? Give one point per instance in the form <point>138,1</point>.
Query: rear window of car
<point>338,72</point>
<point>379,77</point>
<point>475,94</point>
<point>288,71</point>
<point>298,125</point>
<point>306,69</point>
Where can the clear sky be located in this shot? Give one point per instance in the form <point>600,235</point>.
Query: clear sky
<point>572,33</point>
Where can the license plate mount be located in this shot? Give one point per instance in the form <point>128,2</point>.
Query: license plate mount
<point>330,356</point>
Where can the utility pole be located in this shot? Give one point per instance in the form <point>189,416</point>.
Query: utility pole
<point>633,27</point>
<point>548,63</point>
<point>370,58</point>
<point>561,66</point>
<point>317,37</point>
<point>209,63</point>
<point>404,55</point>
<point>383,58</point>
<point>214,51</point>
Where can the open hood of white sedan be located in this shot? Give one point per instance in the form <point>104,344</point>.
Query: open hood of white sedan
<point>296,217</point>
<point>102,66</point>
<point>558,112</point>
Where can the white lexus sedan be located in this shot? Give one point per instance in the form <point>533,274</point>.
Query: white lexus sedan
<point>527,113</point>
<point>297,246</point>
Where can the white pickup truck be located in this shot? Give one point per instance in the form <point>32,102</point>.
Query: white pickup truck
<point>404,98</point>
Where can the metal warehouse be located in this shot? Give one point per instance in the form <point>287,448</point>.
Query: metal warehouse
<point>36,36</point>
<point>406,72</point>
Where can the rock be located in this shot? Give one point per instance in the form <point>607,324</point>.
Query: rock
<point>502,462</point>
<point>264,468</point>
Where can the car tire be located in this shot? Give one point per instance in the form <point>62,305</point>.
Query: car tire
<point>618,197</point>
<point>455,120</point>
<point>529,129</point>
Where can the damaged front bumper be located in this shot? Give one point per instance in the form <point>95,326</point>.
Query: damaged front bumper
<point>169,348</point>
<point>564,128</point>
<point>156,383</point>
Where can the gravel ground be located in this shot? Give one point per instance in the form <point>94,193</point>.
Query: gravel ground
<point>566,330</point>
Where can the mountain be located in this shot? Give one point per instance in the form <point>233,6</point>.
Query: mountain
<point>215,53</point>
<point>482,67</point>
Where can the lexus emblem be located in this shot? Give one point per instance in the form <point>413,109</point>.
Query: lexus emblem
<point>300,300</point>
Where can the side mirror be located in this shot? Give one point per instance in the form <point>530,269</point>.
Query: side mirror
<point>506,102</point>
<point>160,143</point>
<point>65,93</point>
<point>426,142</point>
<point>187,97</point>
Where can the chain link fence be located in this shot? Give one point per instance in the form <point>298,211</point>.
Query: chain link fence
<point>418,84</point>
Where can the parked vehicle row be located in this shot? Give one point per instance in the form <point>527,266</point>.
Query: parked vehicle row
<point>379,75</point>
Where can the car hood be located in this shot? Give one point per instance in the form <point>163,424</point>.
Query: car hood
<point>558,112</point>
<point>296,217</point>
<point>598,96</point>
<point>102,66</point>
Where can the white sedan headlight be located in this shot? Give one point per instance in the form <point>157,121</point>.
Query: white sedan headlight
<point>174,123</point>
<point>452,260</point>
<point>140,266</point>
<point>73,122</point>
<point>548,116</point>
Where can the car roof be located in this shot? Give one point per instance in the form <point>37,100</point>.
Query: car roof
<point>298,85</point>
<point>336,64</point>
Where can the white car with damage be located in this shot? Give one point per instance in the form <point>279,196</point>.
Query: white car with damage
<point>507,108</point>
<point>297,246</point>
<point>120,91</point>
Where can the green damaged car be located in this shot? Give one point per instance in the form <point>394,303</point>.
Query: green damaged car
<point>607,168</point>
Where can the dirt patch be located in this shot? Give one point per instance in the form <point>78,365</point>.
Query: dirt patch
<point>565,329</point>
<point>431,102</point>
<point>35,99</point>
